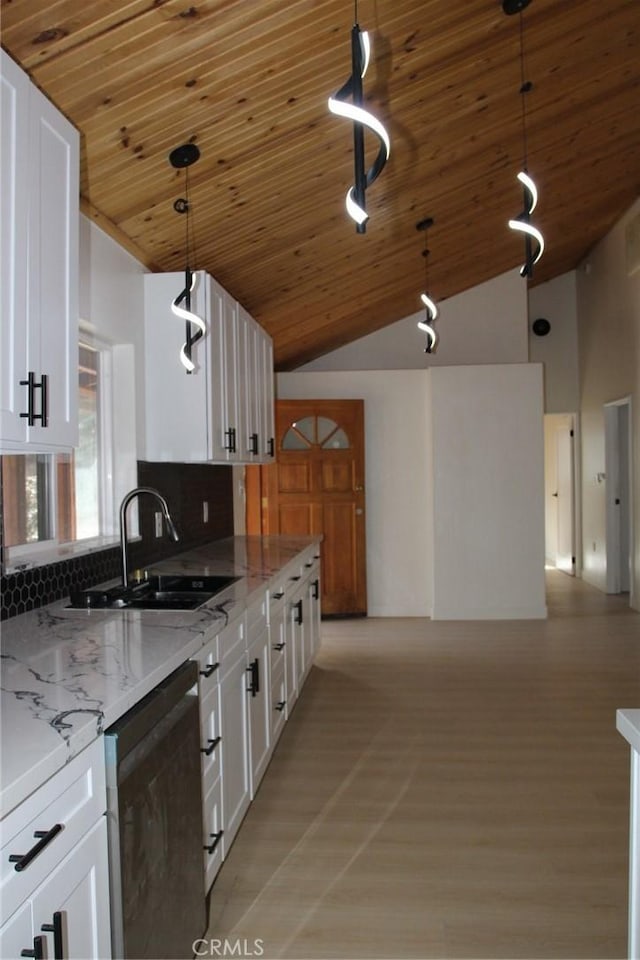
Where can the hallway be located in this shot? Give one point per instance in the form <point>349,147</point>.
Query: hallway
<point>447,789</point>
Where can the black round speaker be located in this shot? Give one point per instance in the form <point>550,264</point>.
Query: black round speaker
<point>541,327</point>
<point>514,6</point>
<point>184,156</point>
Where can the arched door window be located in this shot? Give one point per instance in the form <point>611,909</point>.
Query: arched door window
<point>315,431</point>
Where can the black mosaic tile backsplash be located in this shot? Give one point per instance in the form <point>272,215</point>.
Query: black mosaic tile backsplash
<point>184,486</point>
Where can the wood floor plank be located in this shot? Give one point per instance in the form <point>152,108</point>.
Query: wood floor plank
<point>447,790</point>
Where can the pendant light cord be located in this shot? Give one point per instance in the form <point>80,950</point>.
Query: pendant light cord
<point>190,246</point>
<point>426,263</point>
<point>525,87</point>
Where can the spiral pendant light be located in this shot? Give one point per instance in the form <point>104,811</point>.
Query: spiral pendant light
<point>340,106</point>
<point>533,239</point>
<point>182,158</point>
<point>431,309</point>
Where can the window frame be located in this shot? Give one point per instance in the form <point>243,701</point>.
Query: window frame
<point>28,555</point>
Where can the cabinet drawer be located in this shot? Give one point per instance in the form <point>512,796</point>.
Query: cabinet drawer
<point>276,600</point>
<point>208,660</point>
<point>232,640</point>
<point>210,737</point>
<point>69,804</point>
<point>212,838</point>
<point>278,704</point>
<point>277,644</point>
<point>257,615</point>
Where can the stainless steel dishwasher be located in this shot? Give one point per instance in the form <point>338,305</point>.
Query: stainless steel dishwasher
<point>154,815</point>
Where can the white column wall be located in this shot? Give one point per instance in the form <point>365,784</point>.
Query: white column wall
<point>396,479</point>
<point>111,299</point>
<point>558,350</point>
<point>608,298</point>
<point>488,492</point>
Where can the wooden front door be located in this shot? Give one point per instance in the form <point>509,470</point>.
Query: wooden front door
<point>317,486</point>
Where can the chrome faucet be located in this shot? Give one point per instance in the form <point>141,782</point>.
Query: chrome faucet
<point>169,524</point>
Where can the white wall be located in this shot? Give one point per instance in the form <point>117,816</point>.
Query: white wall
<point>609,336</point>
<point>111,299</point>
<point>558,350</point>
<point>488,494</point>
<point>462,445</point>
<point>396,477</point>
<point>487,324</point>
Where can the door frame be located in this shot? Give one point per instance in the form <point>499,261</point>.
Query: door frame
<point>261,489</point>
<point>570,421</point>
<point>619,538</point>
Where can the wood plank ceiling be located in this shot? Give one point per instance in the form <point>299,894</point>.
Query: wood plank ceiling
<point>248,81</point>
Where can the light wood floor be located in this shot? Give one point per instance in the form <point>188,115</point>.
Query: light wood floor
<point>447,789</point>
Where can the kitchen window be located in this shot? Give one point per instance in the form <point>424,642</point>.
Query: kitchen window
<point>60,503</point>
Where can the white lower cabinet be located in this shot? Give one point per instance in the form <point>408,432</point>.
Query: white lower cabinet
<point>314,611</point>
<point>236,784</point>
<point>68,915</point>
<point>250,674</point>
<point>258,706</point>
<point>57,905</point>
<point>278,703</point>
<point>297,603</point>
<point>278,662</point>
<point>213,832</point>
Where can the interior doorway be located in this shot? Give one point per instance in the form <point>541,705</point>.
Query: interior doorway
<point>619,485</point>
<point>316,486</point>
<point>561,549</point>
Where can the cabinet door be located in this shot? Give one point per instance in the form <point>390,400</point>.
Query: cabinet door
<point>235,749</point>
<point>299,621</point>
<point>14,194</point>
<point>295,646</point>
<point>314,612</point>
<point>53,266</point>
<point>212,840</point>
<point>210,737</point>
<point>244,383</point>
<point>73,900</point>
<point>78,892</point>
<point>16,935</point>
<point>278,710</point>
<point>176,403</point>
<point>255,391</point>
<point>259,707</point>
<point>222,358</point>
<point>40,213</point>
<point>267,400</point>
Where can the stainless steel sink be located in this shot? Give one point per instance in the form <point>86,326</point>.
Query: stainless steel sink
<point>156,592</point>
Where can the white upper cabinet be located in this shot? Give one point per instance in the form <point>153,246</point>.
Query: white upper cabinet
<point>266,403</point>
<point>212,413</point>
<point>39,264</point>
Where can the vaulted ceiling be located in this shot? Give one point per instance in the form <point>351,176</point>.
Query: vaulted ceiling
<point>248,82</point>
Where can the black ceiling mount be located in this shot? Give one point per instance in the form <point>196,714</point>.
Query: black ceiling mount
<point>184,156</point>
<point>425,224</point>
<point>514,6</point>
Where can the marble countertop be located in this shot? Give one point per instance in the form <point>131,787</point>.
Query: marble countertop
<point>68,674</point>
<point>628,724</point>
